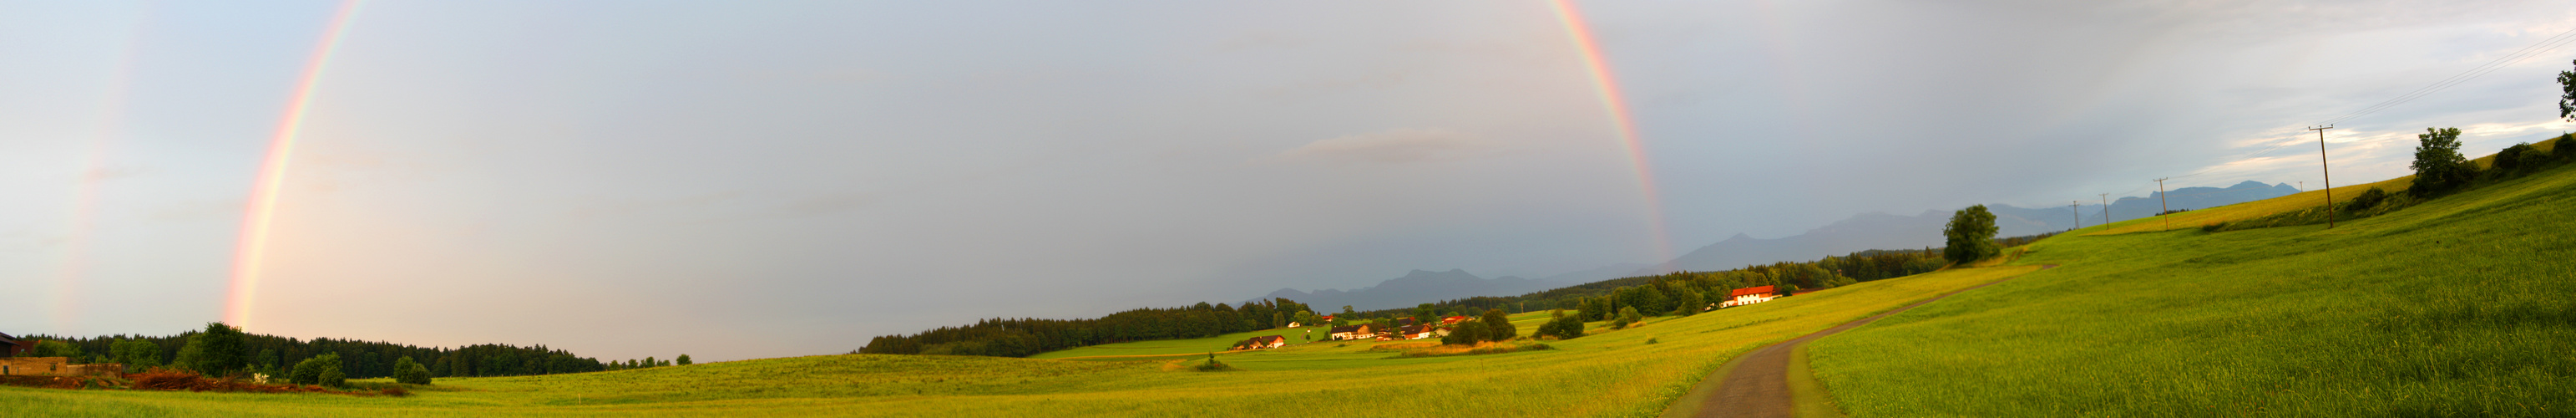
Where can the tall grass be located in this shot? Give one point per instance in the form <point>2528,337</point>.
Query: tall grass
<point>2458,306</point>
<point>1604,374</point>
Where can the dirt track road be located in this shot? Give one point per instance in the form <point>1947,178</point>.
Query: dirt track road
<point>1757,384</point>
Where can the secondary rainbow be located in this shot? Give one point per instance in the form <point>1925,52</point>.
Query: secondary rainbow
<point>1621,125</point>
<point>251,253</point>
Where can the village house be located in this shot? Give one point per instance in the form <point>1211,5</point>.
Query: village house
<point>1750,295</point>
<point>1352,332</point>
<point>1414,332</point>
<point>1451,320</point>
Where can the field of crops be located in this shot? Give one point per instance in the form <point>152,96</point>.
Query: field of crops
<point>2459,306</point>
<point>1608,374</point>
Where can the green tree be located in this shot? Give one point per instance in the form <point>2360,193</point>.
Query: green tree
<point>1426,313</point>
<point>410,372</point>
<point>51,348</point>
<point>137,355</point>
<point>1971,234</point>
<point>2438,164</point>
<point>1498,326</point>
<point>1691,303</point>
<point>650,362</point>
<point>684,360</point>
<point>219,350</point>
<point>2567,96</point>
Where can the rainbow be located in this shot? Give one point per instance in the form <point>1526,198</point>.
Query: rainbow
<point>252,251</point>
<point>1621,125</point>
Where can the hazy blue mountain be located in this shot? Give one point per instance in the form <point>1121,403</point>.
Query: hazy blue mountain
<point>1870,231</point>
<point>1867,231</point>
<point>1420,287</point>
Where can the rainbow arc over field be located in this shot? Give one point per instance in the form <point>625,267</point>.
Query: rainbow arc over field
<point>250,254</point>
<point>1622,125</point>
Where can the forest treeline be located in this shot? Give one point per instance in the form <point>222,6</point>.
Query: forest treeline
<point>1021,337</point>
<point>1656,294</point>
<point>271,354</point>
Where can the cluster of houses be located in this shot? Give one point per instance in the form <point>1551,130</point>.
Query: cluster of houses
<point>1402,329</point>
<point>1266,341</point>
<point>1406,329</point>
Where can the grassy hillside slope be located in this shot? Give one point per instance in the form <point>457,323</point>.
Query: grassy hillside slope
<point>2267,207</point>
<point>2464,305</point>
<point>1607,374</point>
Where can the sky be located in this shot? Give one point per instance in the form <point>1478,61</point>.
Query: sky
<point>737,180</point>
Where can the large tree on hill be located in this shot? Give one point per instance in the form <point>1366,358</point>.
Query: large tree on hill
<point>2438,164</point>
<point>2567,98</point>
<point>1971,235</point>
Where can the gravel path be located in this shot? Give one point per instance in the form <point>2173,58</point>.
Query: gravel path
<point>1757,385</point>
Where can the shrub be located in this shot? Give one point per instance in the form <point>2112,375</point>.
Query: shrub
<point>1627,316</point>
<point>2561,147</point>
<point>411,372</point>
<point>1465,333</point>
<point>2367,199</point>
<point>684,360</point>
<point>1651,340</point>
<point>319,370</point>
<point>1562,327</point>
<point>2511,158</point>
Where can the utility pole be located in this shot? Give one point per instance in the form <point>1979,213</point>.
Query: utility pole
<point>2329,172</point>
<point>2106,208</point>
<point>2076,206</point>
<point>2160,204</point>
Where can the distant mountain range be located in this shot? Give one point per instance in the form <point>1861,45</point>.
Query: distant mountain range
<point>1416,288</point>
<point>1867,231</point>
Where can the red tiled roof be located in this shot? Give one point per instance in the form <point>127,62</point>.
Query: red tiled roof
<point>1751,291</point>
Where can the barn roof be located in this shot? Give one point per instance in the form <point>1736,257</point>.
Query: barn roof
<point>1751,291</point>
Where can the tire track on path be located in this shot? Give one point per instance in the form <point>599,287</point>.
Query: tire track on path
<point>1756,384</point>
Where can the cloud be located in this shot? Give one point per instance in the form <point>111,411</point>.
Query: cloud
<point>1394,147</point>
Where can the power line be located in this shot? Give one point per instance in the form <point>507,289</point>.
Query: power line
<point>2545,45</point>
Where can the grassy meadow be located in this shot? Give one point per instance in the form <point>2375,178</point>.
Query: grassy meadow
<point>2459,306</point>
<point>1613,373</point>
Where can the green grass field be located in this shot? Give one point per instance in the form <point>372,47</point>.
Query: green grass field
<point>1526,321</point>
<point>1606,374</point>
<point>2460,306</point>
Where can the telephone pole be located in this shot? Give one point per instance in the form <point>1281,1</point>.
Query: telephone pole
<point>2161,209</point>
<point>2076,207</point>
<point>2106,208</point>
<point>2329,172</point>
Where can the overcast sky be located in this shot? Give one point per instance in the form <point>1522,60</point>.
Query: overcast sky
<point>757,179</point>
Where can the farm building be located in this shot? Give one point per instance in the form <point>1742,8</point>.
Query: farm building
<point>1413,332</point>
<point>1750,295</point>
<point>11,347</point>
